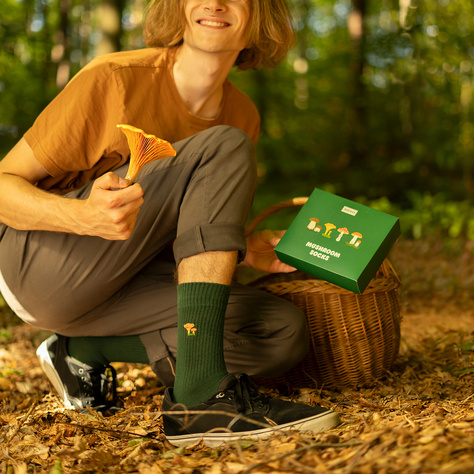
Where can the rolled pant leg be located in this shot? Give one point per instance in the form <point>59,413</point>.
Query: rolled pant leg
<point>201,197</point>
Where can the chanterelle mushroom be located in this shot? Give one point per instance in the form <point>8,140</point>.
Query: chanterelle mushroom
<point>188,327</point>
<point>329,228</point>
<point>144,148</point>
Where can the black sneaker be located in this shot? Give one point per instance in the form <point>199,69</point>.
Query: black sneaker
<point>238,411</point>
<point>79,385</point>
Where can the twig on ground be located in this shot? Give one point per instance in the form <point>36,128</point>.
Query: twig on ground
<point>21,423</point>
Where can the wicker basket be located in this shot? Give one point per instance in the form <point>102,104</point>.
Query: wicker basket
<point>354,338</point>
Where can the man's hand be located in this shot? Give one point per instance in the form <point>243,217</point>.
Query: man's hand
<point>109,212</point>
<point>112,208</point>
<point>261,254</point>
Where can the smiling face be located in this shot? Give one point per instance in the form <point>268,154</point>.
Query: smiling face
<point>217,26</point>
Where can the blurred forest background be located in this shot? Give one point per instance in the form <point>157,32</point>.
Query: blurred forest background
<point>375,103</point>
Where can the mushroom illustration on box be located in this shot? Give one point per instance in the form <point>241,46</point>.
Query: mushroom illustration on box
<point>355,241</point>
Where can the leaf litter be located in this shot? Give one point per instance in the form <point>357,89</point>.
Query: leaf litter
<point>419,418</point>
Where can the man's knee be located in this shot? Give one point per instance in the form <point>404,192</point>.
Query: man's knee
<point>236,148</point>
<point>232,135</point>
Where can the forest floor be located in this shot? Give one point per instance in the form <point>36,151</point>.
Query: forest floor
<point>417,419</point>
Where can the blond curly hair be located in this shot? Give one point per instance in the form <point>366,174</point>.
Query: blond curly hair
<point>271,30</point>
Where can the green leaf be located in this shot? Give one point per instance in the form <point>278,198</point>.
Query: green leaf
<point>465,371</point>
<point>134,442</point>
<point>57,468</point>
<point>468,346</point>
<point>171,454</point>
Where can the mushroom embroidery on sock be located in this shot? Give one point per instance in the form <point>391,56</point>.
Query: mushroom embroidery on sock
<point>190,328</point>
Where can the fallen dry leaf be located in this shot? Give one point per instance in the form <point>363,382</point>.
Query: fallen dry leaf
<point>418,419</point>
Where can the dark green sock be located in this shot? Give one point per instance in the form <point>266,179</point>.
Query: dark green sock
<point>200,364</point>
<point>100,351</point>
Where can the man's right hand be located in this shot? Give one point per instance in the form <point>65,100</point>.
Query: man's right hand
<point>109,212</point>
<point>112,208</point>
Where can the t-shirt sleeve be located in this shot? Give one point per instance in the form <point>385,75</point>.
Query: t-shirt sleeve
<point>75,130</point>
<point>253,123</point>
<point>255,132</point>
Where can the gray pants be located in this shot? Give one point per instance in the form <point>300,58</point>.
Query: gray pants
<point>195,202</point>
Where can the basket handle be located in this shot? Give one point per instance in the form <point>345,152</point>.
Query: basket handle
<point>269,211</point>
<point>386,268</point>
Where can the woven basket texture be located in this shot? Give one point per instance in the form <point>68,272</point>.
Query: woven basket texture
<point>354,339</point>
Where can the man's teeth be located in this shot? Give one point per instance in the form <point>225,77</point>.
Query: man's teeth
<point>212,23</point>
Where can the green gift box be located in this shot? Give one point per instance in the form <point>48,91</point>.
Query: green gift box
<point>338,240</point>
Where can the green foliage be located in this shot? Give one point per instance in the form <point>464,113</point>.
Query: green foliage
<point>467,347</point>
<point>25,72</point>
<point>9,371</point>
<point>5,335</point>
<point>57,468</point>
<point>430,216</point>
<point>387,117</point>
<point>433,215</point>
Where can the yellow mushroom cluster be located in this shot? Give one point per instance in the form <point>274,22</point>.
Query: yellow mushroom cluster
<point>190,328</point>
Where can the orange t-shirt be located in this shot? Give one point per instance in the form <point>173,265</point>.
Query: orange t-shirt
<point>75,138</point>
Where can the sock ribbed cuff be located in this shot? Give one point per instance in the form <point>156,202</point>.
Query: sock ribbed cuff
<point>200,364</point>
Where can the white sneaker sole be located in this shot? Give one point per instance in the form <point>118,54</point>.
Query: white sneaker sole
<point>314,424</point>
<point>48,368</point>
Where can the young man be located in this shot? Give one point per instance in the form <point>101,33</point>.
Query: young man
<point>85,255</point>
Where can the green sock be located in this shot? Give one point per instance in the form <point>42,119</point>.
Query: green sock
<point>200,364</point>
<point>100,351</point>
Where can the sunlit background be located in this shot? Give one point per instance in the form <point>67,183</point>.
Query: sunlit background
<point>375,103</point>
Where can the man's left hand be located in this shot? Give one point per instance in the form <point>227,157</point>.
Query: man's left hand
<point>261,252</point>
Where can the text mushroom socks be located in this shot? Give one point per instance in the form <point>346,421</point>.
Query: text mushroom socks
<point>200,365</point>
